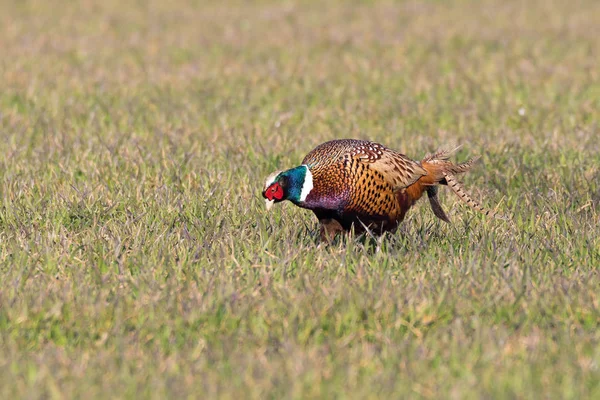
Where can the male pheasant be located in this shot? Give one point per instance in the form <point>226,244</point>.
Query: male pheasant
<point>363,185</point>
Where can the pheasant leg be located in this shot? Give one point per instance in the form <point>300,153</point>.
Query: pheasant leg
<point>329,229</point>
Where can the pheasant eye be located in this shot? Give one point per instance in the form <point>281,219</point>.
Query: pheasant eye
<point>277,191</point>
<point>274,192</point>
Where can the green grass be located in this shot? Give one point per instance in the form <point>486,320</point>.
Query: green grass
<point>136,256</point>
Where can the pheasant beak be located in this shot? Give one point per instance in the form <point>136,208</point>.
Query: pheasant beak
<point>269,203</point>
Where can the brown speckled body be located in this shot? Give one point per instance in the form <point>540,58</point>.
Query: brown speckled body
<point>360,184</point>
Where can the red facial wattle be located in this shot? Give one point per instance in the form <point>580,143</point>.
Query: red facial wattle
<point>274,192</point>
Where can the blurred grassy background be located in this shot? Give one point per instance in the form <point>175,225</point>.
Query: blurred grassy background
<point>137,259</point>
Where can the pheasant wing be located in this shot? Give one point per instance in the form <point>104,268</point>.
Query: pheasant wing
<point>397,169</point>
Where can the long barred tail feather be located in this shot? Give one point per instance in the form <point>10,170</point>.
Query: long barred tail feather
<point>442,171</point>
<point>462,193</point>
<point>462,167</point>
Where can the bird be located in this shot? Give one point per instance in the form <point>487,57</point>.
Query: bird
<point>364,186</point>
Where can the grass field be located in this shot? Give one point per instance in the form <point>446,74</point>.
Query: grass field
<point>136,256</point>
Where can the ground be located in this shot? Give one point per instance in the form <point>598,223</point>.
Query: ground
<point>137,259</point>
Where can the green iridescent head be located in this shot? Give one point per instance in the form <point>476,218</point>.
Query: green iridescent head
<point>293,184</point>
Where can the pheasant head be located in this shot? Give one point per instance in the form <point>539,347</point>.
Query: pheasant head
<point>293,184</point>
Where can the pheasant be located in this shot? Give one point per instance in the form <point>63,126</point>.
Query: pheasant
<point>362,185</point>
